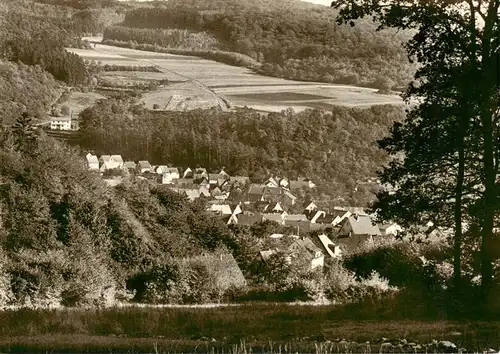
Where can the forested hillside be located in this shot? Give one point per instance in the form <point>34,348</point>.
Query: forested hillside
<point>290,38</point>
<point>25,88</point>
<point>335,149</point>
<point>33,36</point>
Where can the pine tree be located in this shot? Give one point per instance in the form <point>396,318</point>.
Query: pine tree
<point>25,137</point>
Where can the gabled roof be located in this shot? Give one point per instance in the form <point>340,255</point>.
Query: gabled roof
<point>289,195</point>
<point>296,217</point>
<point>224,209</point>
<point>275,205</point>
<point>257,189</point>
<point>249,219</point>
<point>272,191</point>
<point>266,254</point>
<point>362,225</point>
<point>173,170</point>
<point>91,158</point>
<point>326,219</point>
<point>129,164</point>
<point>117,158</point>
<point>161,168</point>
<point>144,164</point>
<point>261,205</point>
<point>273,217</point>
<point>240,179</point>
<point>306,245</point>
<point>104,158</point>
<point>328,245</point>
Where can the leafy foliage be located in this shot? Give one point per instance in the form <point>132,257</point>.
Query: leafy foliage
<point>334,149</point>
<point>25,89</point>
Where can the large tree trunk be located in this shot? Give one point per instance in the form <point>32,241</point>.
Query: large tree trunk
<point>457,245</point>
<point>489,204</point>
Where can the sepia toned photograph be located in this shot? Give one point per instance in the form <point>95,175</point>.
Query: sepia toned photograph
<point>250,176</point>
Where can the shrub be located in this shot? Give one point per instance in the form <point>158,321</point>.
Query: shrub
<point>340,283</point>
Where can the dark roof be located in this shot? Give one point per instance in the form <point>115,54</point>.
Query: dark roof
<point>272,191</point>
<point>261,205</point>
<point>256,189</point>
<point>327,219</point>
<point>362,225</point>
<point>249,219</point>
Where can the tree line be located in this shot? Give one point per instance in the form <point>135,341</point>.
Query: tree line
<point>335,148</point>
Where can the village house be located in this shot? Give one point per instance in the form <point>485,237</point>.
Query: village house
<point>240,181</point>
<point>288,199</point>
<point>295,220</point>
<point>390,229</point>
<point>272,182</point>
<point>216,179</point>
<point>110,162</point>
<point>169,174</point>
<point>191,194</point>
<point>333,219</point>
<point>64,123</point>
<point>304,248</point>
<point>204,192</point>
<point>249,220</point>
<point>284,183</point>
<point>144,166</point>
<point>129,166</point>
<point>328,246</point>
<point>275,208</point>
<point>356,230</point>
<point>188,173</point>
<point>92,162</point>
<point>256,193</point>
<point>185,183</point>
<point>278,218</point>
<point>310,206</point>
<point>199,173</point>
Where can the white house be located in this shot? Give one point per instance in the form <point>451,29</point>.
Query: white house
<point>331,249</point>
<point>390,229</point>
<point>64,123</point>
<point>92,162</point>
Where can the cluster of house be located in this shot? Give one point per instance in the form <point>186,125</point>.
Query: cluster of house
<point>237,201</point>
<point>348,227</point>
<point>198,182</point>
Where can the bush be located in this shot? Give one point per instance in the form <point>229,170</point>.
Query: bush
<point>200,279</point>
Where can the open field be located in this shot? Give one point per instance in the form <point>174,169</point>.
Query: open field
<point>264,328</point>
<point>239,85</point>
<point>78,101</point>
<point>184,96</point>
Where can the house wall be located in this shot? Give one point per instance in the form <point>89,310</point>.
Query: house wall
<point>353,242</point>
<point>317,262</point>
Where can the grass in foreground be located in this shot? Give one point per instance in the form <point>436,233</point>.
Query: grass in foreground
<point>258,328</point>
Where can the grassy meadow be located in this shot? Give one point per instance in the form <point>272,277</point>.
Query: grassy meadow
<point>269,328</point>
<point>240,85</point>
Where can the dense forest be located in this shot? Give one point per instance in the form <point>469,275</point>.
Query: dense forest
<point>35,33</point>
<point>291,39</point>
<point>25,88</point>
<point>336,149</point>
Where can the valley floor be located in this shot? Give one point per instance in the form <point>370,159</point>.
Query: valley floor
<point>261,328</point>
<point>217,81</point>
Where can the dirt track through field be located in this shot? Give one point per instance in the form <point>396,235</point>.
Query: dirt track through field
<point>218,84</point>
